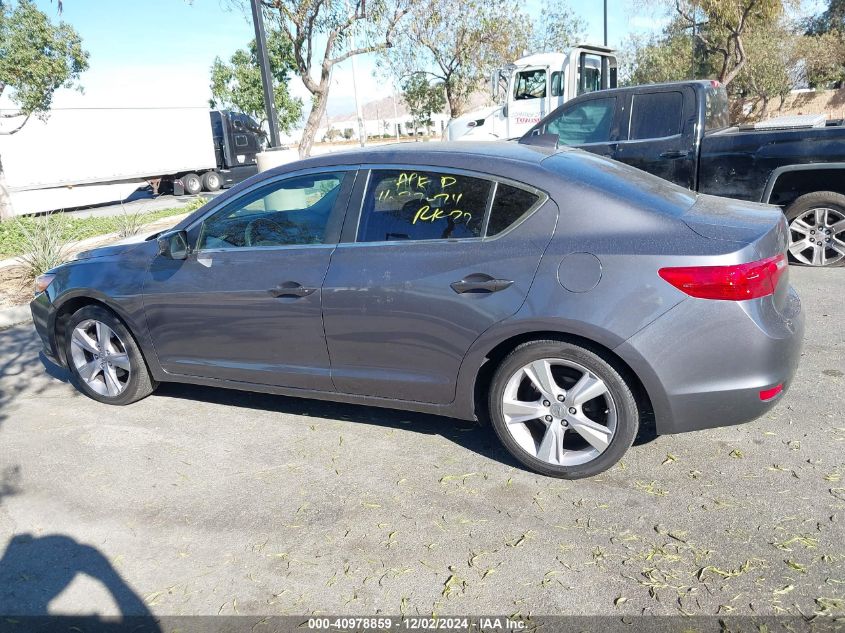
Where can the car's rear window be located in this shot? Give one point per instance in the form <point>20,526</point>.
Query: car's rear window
<point>509,206</point>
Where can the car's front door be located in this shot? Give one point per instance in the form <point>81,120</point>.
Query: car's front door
<point>590,123</point>
<point>438,257</point>
<point>245,305</point>
<point>529,101</point>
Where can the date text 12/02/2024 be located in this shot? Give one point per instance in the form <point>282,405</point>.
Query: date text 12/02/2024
<point>385,623</point>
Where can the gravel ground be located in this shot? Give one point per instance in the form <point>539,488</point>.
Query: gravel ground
<point>204,501</point>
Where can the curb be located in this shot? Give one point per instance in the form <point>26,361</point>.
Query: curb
<point>13,316</point>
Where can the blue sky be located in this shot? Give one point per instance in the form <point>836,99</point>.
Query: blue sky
<point>158,52</point>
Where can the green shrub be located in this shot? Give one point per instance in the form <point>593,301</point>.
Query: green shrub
<point>44,243</point>
<point>129,223</point>
<point>13,239</point>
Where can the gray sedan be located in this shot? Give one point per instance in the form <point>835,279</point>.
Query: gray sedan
<point>560,296</point>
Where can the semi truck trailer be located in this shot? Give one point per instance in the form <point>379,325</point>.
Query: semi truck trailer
<point>86,156</point>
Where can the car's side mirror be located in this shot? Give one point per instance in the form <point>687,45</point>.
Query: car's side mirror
<point>173,245</point>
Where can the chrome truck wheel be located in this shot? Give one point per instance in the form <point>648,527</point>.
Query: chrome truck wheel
<point>817,229</point>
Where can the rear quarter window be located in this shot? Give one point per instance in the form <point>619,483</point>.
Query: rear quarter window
<point>716,113</point>
<point>510,205</point>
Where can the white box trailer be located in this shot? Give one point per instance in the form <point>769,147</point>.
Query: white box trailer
<point>85,156</point>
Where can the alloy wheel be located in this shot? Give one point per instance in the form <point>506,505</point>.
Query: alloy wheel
<point>559,412</point>
<point>817,237</point>
<point>100,358</point>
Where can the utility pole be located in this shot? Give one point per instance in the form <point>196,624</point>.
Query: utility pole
<point>605,22</point>
<point>694,11</point>
<point>395,114</point>
<point>266,76</point>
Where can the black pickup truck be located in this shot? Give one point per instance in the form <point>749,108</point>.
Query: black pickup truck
<point>681,132</point>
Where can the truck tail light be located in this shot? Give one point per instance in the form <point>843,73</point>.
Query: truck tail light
<point>730,283</point>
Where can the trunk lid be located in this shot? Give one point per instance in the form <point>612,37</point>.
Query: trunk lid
<point>729,220</point>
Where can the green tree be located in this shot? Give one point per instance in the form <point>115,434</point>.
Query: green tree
<point>236,84</point>
<point>559,27</point>
<point>667,56</point>
<point>457,43</point>
<point>769,73</point>
<point>824,59</point>
<point>830,20</point>
<point>722,27</point>
<point>824,46</point>
<point>422,99</point>
<point>37,58</point>
<point>325,33</point>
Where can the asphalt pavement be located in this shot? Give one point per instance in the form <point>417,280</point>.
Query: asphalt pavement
<point>205,501</point>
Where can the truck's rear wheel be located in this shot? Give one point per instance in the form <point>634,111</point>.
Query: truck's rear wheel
<point>192,184</point>
<point>211,181</point>
<point>817,229</point>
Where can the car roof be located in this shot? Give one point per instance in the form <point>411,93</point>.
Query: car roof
<point>440,153</point>
<point>697,84</point>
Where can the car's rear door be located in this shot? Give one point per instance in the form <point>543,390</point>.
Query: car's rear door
<point>433,258</point>
<point>246,304</point>
<point>658,133</point>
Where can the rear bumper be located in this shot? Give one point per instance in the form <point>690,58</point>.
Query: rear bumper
<point>43,317</point>
<point>704,363</point>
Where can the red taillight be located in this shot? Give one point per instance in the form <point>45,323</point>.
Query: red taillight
<point>731,283</point>
<point>768,394</point>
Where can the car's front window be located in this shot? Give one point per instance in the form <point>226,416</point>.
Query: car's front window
<point>294,211</point>
<point>408,204</point>
<point>587,122</point>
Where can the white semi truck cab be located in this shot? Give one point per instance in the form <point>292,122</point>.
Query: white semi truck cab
<point>527,90</point>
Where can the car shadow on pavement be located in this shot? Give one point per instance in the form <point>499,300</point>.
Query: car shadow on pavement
<point>479,438</point>
<point>34,570</point>
<point>469,435</point>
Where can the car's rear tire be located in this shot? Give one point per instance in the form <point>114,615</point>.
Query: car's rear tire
<point>104,360</point>
<point>211,181</point>
<point>817,229</point>
<point>562,410</point>
<point>191,183</point>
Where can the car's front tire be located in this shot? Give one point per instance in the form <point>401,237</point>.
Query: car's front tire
<point>104,360</point>
<point>562,410</point>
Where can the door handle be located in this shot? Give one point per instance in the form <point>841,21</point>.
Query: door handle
<point>480,284</point>
<point>291,289</point>
<point>675,153</point>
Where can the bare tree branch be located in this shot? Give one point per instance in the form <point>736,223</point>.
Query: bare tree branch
<point>17,129</point>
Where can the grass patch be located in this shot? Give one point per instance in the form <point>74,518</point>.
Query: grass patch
<point>13,234</point>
